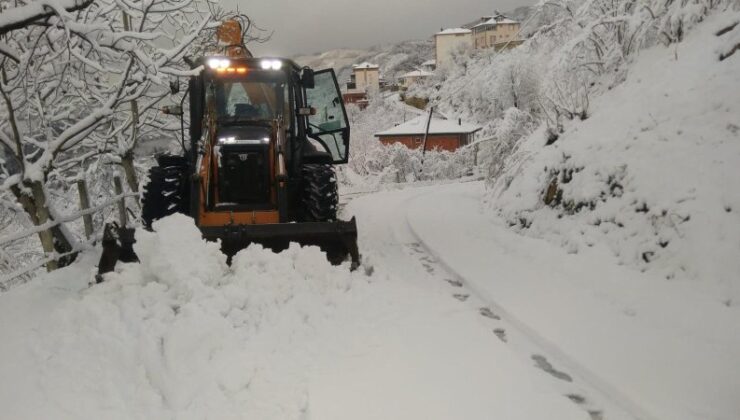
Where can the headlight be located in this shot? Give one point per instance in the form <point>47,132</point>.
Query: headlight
<point>234,140</point>
<point>271,64</point>
<point>218,63</point>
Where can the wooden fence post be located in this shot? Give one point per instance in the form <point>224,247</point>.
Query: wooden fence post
<point>121,202</point>
<point>42,214</point>
<point>85,205</point>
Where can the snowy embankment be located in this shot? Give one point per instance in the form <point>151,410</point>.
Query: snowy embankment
<point>651,174</point>
<point>274,336</point>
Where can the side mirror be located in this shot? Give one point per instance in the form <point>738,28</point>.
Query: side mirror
<point>307,78</point>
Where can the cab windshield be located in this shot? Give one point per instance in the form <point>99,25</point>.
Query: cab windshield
<point>251,98</point>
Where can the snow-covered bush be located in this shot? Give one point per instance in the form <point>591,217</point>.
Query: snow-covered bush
<point>496,153</point>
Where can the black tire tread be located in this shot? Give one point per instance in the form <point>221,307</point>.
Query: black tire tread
<point>166,191</point>
<point>319,195</point>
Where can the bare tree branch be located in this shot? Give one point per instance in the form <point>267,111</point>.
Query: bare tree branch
<point>20,17</point>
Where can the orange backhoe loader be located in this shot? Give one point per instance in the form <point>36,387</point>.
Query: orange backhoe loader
<point>265,135</point>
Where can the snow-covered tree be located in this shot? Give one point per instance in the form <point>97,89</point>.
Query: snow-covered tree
<point>76,79</point>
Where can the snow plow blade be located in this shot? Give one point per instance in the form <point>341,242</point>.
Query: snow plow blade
<point>337,239</point>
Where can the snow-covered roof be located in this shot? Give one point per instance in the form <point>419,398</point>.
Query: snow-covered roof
<point>438,126</point>
<point>417,73</point>
<point>496,21</point>
<point>454,31</point>
<point>366,65</point>
<point>429,63</point>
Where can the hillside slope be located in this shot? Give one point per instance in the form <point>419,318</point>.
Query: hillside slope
<point>650,174</point>
<point>615,129</point>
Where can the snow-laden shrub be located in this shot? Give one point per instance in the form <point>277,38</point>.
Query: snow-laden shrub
<point>507,132</point>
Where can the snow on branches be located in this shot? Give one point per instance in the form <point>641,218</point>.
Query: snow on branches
<point>78,79</point>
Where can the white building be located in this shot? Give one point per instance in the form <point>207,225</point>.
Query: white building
<point>412,77</point>
<point>366,77</point>
<point>450,41</point>
<point>496,32</point>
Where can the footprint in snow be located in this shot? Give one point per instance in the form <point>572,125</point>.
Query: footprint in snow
<point>596,415</point>
<point>501,334</point>
<point>542,363</point>
<point>578,399</point>
<point>428,267</point>
<point>416,247</point>
<point>429,259</point>
<point>454,283</point>
<point>461,297</point>
<point>488,313</point>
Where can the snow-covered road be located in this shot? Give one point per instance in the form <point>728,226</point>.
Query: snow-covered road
<point>615,340</point>
<point>451,317</point>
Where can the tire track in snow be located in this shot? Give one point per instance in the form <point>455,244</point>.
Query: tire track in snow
<point>597,397</point>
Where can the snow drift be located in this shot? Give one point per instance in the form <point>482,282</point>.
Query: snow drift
<point>274,336</point>
<point>174,336</point>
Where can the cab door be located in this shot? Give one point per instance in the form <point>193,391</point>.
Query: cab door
<point>329,126</point>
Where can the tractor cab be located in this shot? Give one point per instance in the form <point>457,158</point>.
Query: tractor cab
<point>249,111</point>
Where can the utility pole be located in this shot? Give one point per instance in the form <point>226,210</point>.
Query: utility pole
<point>424,143</point>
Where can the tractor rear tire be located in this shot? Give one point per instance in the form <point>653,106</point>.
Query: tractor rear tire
<point>319,195</point>
<point>167,191</point>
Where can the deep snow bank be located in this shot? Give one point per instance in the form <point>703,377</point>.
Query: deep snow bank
<point>179,335</point>
<point>274,336</point>
<point>652,173</point>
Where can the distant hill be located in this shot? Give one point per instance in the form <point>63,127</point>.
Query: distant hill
<point>393,59</point>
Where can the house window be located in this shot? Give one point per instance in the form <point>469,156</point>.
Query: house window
<point>417,141</point>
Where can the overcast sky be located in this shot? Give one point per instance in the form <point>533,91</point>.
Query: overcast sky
<point>309,26</point>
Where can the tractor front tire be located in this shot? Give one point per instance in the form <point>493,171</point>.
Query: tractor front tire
<point>319,196</point>
<point>166,193</point>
